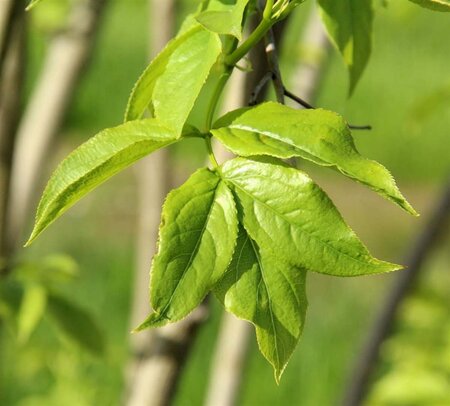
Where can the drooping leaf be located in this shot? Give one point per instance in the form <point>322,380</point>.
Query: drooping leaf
<point>269,293</point>
<point>95,161</point>
<point>31,310</point>
<point>349,25</point>
<point>196,242</point>
<point>76,323</point>
<point>436,5</point>
<point>174,79</point>
<point>224,17</point>
<point>285,212</point>
<point>320,136</point>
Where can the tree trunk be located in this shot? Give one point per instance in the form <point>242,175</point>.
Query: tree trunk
<point>67,57</point>
<point>157,355</point>
<point>11,81</point>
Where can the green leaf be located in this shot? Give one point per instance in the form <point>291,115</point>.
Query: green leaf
<point>349,25</point>
<point>95,161</point>
<point>269,293</point>
<point>224,17</point>
<point>436,5</point>
<point>196,242</point>
<point>285,212</point>
<point>32,4</point>
<point>174,79</point>
<point>76,323</point>
<point>320,136</point>
<point>31,310</point>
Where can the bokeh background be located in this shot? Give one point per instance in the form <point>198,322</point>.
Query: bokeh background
<point>404,94</point>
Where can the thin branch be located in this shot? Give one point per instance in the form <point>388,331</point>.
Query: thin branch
<point>306,105</point>
<point>406,279</point>
<point>270,50</point>
<point>297,99</point>
<point>274,66</point>
<point>259,88</point>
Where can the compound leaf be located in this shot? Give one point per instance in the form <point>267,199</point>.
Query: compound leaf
<point>196,242</point>
<point>349,25</point>
<point>436,5</point>
<point>94,162</point>
<point>76,323</point>
<point>224,17</point>
<point>285,212</point>
<point>173,80</point>
<point>270,294</point>
<point>320,136</point>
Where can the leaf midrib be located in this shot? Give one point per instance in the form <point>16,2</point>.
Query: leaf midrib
<point>193,254</point>
<point>79,179</point>
<point>258,259</point>
<point>306,232</point>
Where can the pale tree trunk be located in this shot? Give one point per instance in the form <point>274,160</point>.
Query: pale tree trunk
<point>232,345</point>
<point>157,355</point>
<point>66,59</point>
<point>11,80</point>
<point>307,76</point>
<point>231,348</point>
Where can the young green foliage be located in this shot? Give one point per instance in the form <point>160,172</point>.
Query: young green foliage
<point>436,5</point>
<point>32,3</point>
<point>173,81</point>
<point>320,136</point>
<point>285,211</point>
<point>196,242</point>
<point>109,152</point>
<point>76,323</point>
<point>271,294</point>
<point>349,24</point>
<point>32,308</point>
<point>250,229</point>
<point>224,18</point>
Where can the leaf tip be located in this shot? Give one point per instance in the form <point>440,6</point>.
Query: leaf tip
<point>31,239</point>
<point>277,373</point>
<point>153,320</point>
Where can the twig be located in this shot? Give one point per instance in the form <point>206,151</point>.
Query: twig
<point>306,105</point>
<point>274,66</point>
<point>260,86</point>
<point>425,243</point>
<point>297,99</point>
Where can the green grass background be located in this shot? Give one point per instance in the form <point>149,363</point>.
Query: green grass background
<point>410,63</point>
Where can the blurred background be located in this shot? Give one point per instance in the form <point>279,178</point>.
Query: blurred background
<point>66,302</point>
